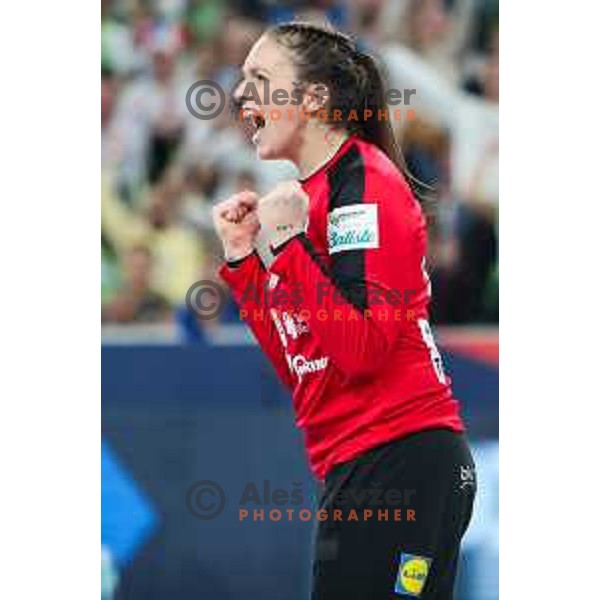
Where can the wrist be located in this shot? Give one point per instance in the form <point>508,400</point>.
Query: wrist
<point>282,234</point>
<point>237,252</point>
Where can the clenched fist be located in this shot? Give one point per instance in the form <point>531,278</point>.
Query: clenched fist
<point>283,212</point>
<point>236,223</point>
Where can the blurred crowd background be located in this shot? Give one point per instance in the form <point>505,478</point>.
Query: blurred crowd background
<point>163,169</point>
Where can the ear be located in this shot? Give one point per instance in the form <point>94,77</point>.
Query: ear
<point>316,97</point>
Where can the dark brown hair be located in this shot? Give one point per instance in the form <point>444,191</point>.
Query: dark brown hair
<point>323,55</point>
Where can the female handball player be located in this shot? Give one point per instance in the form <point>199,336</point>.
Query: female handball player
<point>348,333</point>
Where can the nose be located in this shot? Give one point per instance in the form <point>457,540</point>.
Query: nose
<point>237,93</point>
<point>248,94</point>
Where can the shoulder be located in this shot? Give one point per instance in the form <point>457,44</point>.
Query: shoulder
<point>364,174</point>
<point>370,201</point>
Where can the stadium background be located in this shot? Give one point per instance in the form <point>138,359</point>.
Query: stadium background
<point>185,400</point>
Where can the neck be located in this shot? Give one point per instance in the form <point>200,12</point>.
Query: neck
<point>319,147</point>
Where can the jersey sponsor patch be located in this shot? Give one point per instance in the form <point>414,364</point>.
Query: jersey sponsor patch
<point>412,575</point>
<point>300,365</point>
<point>353,227</point>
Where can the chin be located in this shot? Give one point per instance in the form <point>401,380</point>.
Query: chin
<point>267,152</point>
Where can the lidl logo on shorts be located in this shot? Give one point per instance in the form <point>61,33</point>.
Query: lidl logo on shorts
<point>412,574</point>
<point>353,227</point>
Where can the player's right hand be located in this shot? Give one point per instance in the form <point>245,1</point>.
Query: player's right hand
<point>236,223</point>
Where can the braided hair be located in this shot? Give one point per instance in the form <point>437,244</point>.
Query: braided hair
<point>329,57</point>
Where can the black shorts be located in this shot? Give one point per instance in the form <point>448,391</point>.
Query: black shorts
<point>390,522</point>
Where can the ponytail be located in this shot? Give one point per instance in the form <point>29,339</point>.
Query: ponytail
<point>376,130</point>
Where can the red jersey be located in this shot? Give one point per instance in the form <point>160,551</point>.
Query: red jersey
<point>342,312</point>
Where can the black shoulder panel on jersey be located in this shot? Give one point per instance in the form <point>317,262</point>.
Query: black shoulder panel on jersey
<point>346,187</point>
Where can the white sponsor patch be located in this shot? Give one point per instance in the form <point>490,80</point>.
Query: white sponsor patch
<point>353,227</point>
<point>301,365</point>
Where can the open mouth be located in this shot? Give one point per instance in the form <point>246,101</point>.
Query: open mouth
<point>255,121</point>
<point>259,120</point>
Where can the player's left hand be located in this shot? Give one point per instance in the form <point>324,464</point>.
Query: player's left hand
<point>283,212</point>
